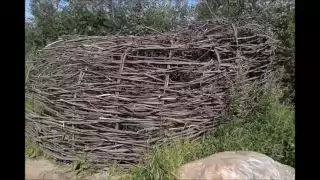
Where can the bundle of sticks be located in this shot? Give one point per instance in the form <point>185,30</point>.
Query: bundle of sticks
<point>114,97</point>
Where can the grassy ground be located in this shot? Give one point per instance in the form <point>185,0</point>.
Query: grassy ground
<point>31,151</point>
<point>269,129</point>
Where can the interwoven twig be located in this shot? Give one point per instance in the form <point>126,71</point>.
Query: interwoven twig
<point>114,97</point>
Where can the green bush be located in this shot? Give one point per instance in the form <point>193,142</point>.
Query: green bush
<point>269,130</point>
<point>100,18</point>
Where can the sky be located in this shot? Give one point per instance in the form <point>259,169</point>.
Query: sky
<point>27,9</point>
<point>28,13</point>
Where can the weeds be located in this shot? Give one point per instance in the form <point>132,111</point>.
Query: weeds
<point>28,63</point>
<point>163,161</point>
<point>270,131</point>
<point>32,105</point>
<point>31,150</point>
<point>81,164</point>
<point>117,173</point>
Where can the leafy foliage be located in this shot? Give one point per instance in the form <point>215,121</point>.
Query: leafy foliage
<point>81,164</point>
<point>52,18</point>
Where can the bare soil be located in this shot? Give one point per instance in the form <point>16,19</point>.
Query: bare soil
<point>43,169</point>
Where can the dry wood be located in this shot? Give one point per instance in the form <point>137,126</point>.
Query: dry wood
<point>114,97</point>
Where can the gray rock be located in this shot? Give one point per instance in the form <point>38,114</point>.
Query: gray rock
<point>235,165</point>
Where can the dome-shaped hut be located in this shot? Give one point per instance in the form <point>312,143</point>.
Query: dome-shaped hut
<point>114,97</point>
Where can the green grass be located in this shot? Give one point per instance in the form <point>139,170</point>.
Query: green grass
<point>29,57</point>
<point>162,162</point>
<point>32,105</point>
<point>31,150</point>
<point>268,129</point>
<point>81,166</point>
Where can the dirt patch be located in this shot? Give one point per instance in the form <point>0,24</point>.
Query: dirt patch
<point>42,169</point>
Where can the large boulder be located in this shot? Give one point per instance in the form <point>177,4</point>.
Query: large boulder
<point>235,165</point>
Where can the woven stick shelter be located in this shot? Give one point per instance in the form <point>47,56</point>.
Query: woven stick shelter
<point>114,97</point>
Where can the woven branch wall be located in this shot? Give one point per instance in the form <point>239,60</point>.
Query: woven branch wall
<point>114,97</point>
